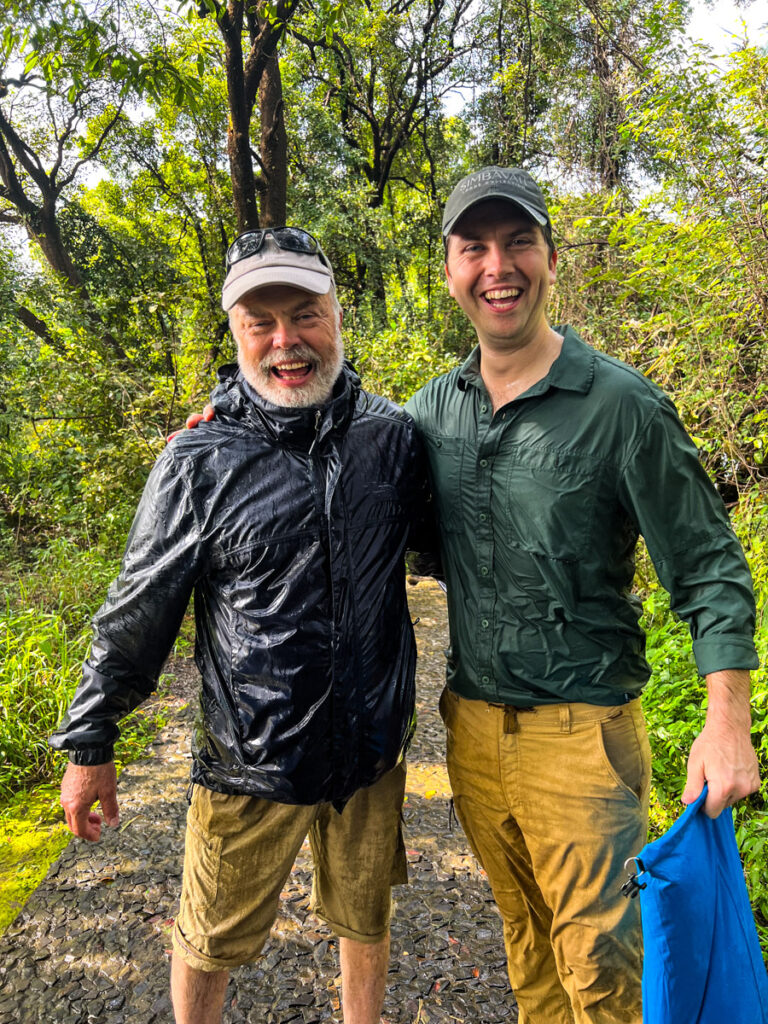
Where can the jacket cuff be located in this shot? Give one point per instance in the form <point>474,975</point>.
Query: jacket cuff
<point>92,756</point>
<point>724,651</point>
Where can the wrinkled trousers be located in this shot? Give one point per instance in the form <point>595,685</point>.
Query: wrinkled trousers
<point>553,800</point>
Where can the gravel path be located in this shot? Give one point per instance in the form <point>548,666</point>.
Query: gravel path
<point>92,943</point>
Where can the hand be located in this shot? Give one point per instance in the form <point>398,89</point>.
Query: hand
<point>81,787</point>
<point>206,416</point>
<point>722,754</point>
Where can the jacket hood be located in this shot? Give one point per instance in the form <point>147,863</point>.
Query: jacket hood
<point>235,400</point>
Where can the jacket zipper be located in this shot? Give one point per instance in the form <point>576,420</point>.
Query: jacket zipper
<point>318,417</point>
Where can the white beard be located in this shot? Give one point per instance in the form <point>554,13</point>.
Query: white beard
<point>316,391</point>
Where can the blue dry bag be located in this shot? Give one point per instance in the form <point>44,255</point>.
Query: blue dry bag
<point>702,956</point>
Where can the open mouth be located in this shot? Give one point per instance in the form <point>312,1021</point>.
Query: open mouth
<point>502,299</point>
<point>292,373</point>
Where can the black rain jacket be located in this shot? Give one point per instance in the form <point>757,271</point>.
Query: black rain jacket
<point>290,527</point>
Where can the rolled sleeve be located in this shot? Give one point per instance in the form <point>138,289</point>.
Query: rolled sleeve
<point>697,556</point>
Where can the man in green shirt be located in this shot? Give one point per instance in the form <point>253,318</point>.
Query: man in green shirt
<point>548,459</point>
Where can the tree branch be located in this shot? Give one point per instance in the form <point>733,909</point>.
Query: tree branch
<point>39,327</point>
<point>96,148</point>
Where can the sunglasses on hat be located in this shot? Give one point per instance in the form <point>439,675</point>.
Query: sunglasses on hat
<point>287,238</point>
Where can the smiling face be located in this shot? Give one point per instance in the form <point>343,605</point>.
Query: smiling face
<point>499,270</point>
<point>288,344</point>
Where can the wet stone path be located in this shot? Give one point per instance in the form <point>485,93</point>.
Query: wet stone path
<point>92,943</point>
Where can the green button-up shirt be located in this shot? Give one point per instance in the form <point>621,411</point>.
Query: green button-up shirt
<point>540,507</point>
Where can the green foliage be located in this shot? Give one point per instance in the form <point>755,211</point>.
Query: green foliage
<point>674,700</point>
<point>71,45</point>
<point>398,361</point>
<point>41,662</point>
<point>31,837</point>
<point>675,283</point>
<point>44,638</point>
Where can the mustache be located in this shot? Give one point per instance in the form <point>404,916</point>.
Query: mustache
<point>302,352</point>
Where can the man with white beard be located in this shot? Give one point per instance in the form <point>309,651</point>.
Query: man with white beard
<point>288,517</point>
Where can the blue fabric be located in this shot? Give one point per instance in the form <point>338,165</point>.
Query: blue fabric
<point>703,963</point>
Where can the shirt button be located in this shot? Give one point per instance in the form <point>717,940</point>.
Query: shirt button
<point>483,408</point>
<point>483,463</point>
<point>482,517</point>
<point>486,679</point>
<point>485,623</point>
<point>483,570</point>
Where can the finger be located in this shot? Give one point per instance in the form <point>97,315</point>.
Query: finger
<point>110,809</point>
<point>194,419</point>
<point>714,806</point>
<point>85,824</point>
<point>208,413</point>
<point>694,784</point>
<point>171,436</point>
<point>93,828</point>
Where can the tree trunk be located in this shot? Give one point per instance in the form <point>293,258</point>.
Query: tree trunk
<point>239,137</point>
<point>274,146</point>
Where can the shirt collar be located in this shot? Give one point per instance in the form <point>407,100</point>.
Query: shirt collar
<point>573,370</point>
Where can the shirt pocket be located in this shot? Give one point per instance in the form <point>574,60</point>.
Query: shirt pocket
<point>446,458</point>
<point>550,501</point>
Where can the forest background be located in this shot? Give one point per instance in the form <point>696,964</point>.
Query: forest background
<point>136,138</point>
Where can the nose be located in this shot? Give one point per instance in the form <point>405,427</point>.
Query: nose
<point>497,260</point>
<point>284,334</point>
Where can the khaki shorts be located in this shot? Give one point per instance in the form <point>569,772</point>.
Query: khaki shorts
<point>239,852</point>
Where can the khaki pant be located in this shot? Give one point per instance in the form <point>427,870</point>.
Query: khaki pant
<point>553,801</point>
<point>239,851</point>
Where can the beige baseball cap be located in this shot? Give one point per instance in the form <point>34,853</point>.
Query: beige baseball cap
<point>273,265</point>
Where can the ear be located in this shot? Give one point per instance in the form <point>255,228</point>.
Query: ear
<point>449,280</point>
<point>552,267</point>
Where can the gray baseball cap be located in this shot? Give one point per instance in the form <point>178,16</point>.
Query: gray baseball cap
<point>272,265</point>
<point>510,183</point>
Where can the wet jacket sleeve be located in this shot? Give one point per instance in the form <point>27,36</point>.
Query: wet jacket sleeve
<point>423,556</point>
<point>134,630</point>
<point>697,556</point>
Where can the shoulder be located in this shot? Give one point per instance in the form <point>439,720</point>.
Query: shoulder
<point>625,379</point>
<point>425,403</point>
<point>634,397</point>
<point>194,446</point>
<point>369,404</point>
<point>376,407</point>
